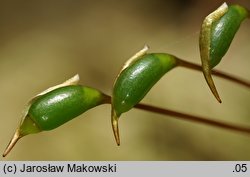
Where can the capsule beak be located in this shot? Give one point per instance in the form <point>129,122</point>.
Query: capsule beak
<point>114,123</point>
<point>210,82</point>
<point>12,142</point>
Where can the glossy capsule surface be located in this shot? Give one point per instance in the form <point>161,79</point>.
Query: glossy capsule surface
<point>138,78</point>
<point>217,32</point>
<point>135,80</point>
<point>223,32</point>
<point>55,106</point>
<point>63,104</point>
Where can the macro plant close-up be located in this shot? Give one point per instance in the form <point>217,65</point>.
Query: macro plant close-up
<point>181,94</point>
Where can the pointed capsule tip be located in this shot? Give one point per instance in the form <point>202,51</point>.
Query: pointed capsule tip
<point>116,132</point>
<point>114,122</point>
<point>210,82</point>
<point>215,93</point>
<point>12,142</point>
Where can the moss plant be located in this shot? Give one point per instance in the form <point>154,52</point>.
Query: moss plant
<point>61,103</point>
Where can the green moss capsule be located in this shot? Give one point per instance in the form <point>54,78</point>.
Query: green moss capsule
<point>217,32</point>
<point>135,80</point>
<point>63,104</point>
<point>56,106</point>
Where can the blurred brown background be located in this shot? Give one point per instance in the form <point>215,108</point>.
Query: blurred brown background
<point>43,43</point>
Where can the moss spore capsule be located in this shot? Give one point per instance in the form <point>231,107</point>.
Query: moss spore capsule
<point>135,81</point>
<point>56,106</point>
<point>63,104</point>
<point>223,32</point>
<point>217,32</point>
